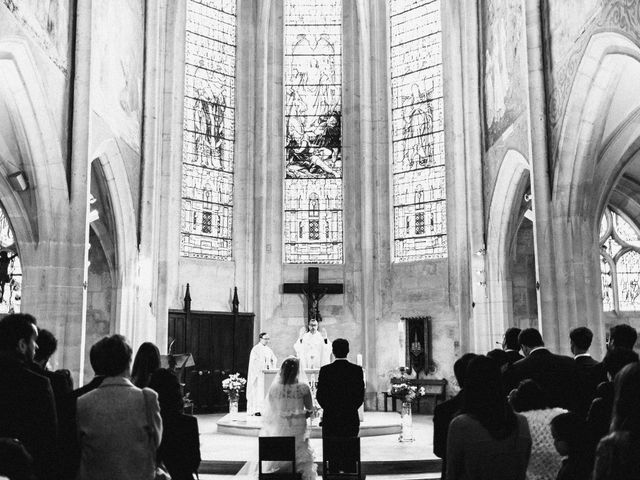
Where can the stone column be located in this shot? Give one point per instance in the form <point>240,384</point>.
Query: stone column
<point>540,180</point>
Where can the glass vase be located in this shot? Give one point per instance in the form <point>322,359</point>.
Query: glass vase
<point>406,423</point>
<point>233,402</point>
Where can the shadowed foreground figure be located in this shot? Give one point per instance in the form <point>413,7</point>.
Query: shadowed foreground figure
<point>488,441</point>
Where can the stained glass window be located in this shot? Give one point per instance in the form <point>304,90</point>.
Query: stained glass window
<point>619,263</point>
<point>10,268</point>
<point>313,134</point>
<point>419,196</point>
<point>208,147</point>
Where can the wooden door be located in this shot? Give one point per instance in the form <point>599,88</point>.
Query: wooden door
<point>220,344</point>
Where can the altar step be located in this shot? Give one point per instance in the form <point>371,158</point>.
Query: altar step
<point>401,476</point>
<point>418,468</point>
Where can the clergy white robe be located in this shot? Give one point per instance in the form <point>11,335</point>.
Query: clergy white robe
<point>261,358</point>
<point>312,350</point>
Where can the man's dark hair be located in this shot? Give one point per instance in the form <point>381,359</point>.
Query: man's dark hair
<point>529,396</point>
<point>511,338</point>
<point>500,356</point>
<point>530,337</point>
<point>460,367</point>
<point>581,337</point>
<point>571,428</point>
<point>47,345</point>
<point>117,355</point>
<point>617,358</point>
<point>97,357</point>
<point>15,327</point>
<point>340,348</point>
<point>262,334</point>
<point>623,335</point>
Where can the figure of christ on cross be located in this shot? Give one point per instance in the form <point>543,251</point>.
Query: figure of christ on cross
<point>313,291</point>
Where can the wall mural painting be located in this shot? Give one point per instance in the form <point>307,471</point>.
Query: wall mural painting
<point>10,268</point>
<point>505,92</point>
<point>48,22</point>
<point>117,64</point>
<point>208,131</point>
<point>313,129</point>
<point>419,177</point>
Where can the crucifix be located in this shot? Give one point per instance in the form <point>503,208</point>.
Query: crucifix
<point>313,291</point>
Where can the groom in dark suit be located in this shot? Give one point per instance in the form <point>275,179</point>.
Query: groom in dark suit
<point>340,393</point>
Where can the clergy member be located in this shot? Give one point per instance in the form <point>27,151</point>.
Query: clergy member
<point>312,347</point>
<point>261,358</point>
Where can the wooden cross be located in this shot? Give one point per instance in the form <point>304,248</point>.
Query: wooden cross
<point>313,291</point>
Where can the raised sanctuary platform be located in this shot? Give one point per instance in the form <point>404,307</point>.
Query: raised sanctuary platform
<point>224,454</point>
<point>374,424</point>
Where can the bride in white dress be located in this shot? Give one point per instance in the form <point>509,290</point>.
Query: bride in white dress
<point>286,409</point>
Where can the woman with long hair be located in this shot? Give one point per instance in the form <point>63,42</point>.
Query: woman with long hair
<point>286,409</point>
<point>146,362</point>
<point>488,441</point>
<point>618,454</point>
<point>179,450</point>
<point>531,401</point>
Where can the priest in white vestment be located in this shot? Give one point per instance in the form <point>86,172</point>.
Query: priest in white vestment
<point>313,347</point>
<point>261,358</point>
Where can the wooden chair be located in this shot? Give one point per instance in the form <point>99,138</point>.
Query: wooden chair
<point>277,449</point>
<point>341,458</point>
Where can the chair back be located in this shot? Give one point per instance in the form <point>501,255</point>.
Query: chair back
<point>341,458</point>
<point>277,449</point>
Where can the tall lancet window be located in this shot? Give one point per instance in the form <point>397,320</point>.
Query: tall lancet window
<point>10,268</point>
<point>619,263</point>
<point>208,146</point>
<point>313,143</point>
<point>419,196</point>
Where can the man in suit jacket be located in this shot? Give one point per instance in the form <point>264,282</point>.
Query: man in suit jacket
<point>447,411</point>
<point>511,346</point>
<point>119,425</point>
<point>590,370</point>
<point>557,375</point>
<point>340,393</point>
<point>27,407</point>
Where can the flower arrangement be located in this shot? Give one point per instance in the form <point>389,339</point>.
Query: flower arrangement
<point>233,385</point>
<point>401,390</point>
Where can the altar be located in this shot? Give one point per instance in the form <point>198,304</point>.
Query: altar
<point>270,376</point>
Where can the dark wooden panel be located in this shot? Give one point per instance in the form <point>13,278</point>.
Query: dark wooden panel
<point>220,344</point>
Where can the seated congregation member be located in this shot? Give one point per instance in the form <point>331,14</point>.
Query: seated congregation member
<point>599,415</point>
<point>71,460</point>
<point>487,440</point>
<point>500,357</point>
<point>511,345</point>
<point>446,411</point>
<point>180,447</point>
<point>556,374</point>
<point>572,440</point>
<point>618,454</point>
<point>27,407</point>
<point>146,362</point>
<point>62,385</point>
<point>590,370</point>
<point>529,400</point>
<point>119,425</point>
<point>15,461</point>
<point>622,336</point>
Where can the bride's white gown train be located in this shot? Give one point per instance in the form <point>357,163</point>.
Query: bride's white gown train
<point>285,415</point>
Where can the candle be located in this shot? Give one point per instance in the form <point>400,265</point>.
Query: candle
<point>359,359</point>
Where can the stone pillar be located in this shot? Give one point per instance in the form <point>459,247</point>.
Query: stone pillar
<point>540,181</point>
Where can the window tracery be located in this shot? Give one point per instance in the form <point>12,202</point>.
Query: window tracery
<point>313,131</point>
<point>208,145</point>
<point>417,130</point>
<point>619,263</point>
